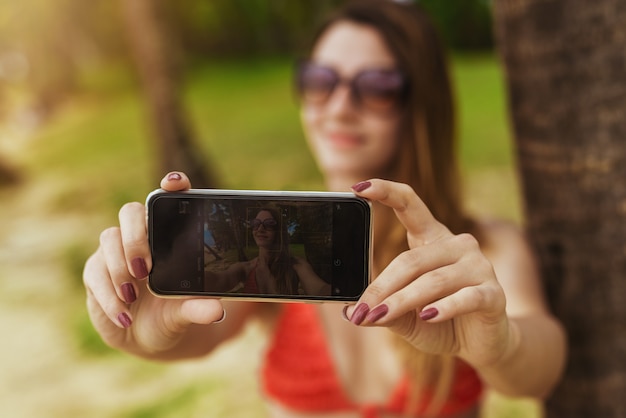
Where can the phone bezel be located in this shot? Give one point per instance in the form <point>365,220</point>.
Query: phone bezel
<point>274,196</point>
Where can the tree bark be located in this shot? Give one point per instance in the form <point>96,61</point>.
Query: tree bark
<point>565,62</point>
<point>155,56</point>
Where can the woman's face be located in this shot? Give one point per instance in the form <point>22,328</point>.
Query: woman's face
<point>264,229</point>
<point>350,141</point>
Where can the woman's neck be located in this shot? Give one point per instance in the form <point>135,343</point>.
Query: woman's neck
<point>265,253</point>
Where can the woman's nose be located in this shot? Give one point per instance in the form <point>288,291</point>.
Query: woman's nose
<point>340,99</point>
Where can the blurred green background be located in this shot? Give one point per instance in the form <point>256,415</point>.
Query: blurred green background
<point>76,143</point>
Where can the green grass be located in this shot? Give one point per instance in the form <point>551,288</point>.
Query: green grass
<point>483,131</point>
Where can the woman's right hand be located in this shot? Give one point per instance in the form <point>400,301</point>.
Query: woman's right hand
<point>122,309</point>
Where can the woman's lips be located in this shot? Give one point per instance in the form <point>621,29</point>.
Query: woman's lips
<point>344,140</point>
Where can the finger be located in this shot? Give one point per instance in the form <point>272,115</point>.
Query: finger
<point>115,263</point>
<point>101,295</point>
<point>487,299</point>
<point>408,267</point>
<point>175,181</point>
<point>412,212</point>
<point>427,290</point>
<point>132,217</point>
<point>400,273</point>
<point>440,269</point>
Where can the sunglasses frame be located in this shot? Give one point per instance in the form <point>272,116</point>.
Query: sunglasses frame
<point>357,96</point>
<point>255,224</point>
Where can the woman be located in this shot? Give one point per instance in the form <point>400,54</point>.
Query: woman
<point>274,270</point>
<point>456,305</point>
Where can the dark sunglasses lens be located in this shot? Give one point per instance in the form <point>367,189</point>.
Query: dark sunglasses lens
<point>268,224</point>
<point>379,90</point>
<point>316,83</point>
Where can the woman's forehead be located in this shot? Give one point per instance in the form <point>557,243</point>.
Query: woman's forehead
<point>351,47</point>
<point>264,214</point>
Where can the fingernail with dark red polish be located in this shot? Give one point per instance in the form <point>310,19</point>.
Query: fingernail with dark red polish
<point>344,313</point>
<point>174,177</point>
<point>377,313</point>
<point>124,320</point>
<point>139,268</point>
<point>429,313</point>
<point>359,313</point>
<point>359,187</point>
<point>128,292</point>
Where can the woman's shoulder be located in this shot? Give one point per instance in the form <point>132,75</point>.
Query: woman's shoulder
<point>503,239</point>
<point>494,231</point>
<point>246,265</point>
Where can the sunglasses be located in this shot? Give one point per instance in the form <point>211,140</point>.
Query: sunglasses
<point>269,224</point>
<point>374,89</point>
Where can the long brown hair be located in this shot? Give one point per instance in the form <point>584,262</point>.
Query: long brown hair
<point>427,159</point>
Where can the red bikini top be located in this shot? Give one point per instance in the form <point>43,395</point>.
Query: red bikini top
<point>250,285</point>
<point>299,374</point>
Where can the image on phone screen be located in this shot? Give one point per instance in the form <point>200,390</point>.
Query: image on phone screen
<point>303,247</point>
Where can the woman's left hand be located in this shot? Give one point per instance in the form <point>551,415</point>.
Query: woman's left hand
<point>442,294</point>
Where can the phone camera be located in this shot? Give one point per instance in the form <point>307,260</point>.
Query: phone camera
<point>185,284</point>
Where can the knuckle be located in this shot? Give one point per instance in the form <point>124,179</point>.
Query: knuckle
<point>119,272</point>
<point>472,253</point>
<point>110,306</point>
<point>471,297</point>
<point>375,291</point>
<point>494,297</point>
<point>467,241</point>
<point>87,270</point>
<point>482,264</point>
<point>131,207</point>
<point>411,259</point>
<point>487,298</point>
<point>406,193</point>
<point>437,281</point>
<point>476,294</point>
<point>405,188</point>
<point>134,241</point>
<point>109,235</point>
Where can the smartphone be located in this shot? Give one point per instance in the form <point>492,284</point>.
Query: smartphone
<point>260,245</point>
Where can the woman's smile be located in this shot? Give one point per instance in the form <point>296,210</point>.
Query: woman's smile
<point>344,140</point>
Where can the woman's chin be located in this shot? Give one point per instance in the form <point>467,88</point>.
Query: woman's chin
<point>348,171</point>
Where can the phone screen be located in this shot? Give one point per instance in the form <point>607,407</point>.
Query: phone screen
<point>265,245</point>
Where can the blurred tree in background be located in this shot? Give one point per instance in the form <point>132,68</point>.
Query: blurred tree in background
<point>566,71</point>
<point>155,53</point>
<point>51,50</point>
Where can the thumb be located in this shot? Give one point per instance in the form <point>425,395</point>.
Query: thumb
<point>200,311</point>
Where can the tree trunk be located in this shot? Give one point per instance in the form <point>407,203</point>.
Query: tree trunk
<point>566,70</point>
<point>9,175</point>
<point>155,56</point>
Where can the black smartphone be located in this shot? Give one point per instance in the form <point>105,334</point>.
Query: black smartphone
<point>260,245</point>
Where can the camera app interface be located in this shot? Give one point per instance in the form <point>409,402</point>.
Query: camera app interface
<point>260,248</point>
